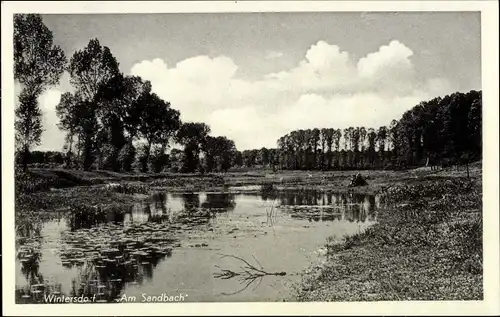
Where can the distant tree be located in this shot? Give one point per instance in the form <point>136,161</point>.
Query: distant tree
<point>264,156</point>
<point>220,153</point>
<point>38,64</point>
<point>394,139</point>
<point>336,135</point>
<point>316,136</point>
<point>381,140</point>
<point>362,140</point>
<point>372,139</point>
<point>238,159</point>
<point>475,127</point>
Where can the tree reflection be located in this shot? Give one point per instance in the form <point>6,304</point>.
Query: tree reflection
<point>221,202</point>
<point>317,206</point>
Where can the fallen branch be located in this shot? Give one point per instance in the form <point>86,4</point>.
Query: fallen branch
<point>249,273</point>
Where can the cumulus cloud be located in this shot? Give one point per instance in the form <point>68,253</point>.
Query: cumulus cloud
<point>325,67</point>
<point>391,60</point>
<point>327,88</point>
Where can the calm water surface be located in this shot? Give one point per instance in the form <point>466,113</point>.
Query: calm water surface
<point>175,244</point>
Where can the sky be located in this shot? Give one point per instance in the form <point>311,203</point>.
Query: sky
<point>254,77</point>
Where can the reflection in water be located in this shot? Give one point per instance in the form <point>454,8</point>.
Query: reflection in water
<point>318,206</point>
<point>105,250</point>
<point>223,202</point>
<point>88,217</point>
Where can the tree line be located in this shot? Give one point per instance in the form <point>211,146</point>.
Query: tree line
<point>441,131</point>
<point>112,121</point>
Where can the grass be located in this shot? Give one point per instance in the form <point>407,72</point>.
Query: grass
<point>426,246</point>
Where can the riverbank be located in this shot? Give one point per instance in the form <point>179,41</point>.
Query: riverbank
<point>427,245</point>
<point>45,179</point>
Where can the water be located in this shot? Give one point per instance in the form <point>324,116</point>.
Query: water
<point>176,244</point>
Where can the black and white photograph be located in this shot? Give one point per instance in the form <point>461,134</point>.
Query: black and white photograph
<point>249,155</point>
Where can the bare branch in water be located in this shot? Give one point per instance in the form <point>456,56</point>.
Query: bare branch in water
<point>248,275</point>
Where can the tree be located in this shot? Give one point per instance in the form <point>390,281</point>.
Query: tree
<point>372,137</point>
<point>28,125</point>
<point>192,135</point>
<point>381,140</point>
<point>38,64</point>
<point>123,100</point>
<point>68,112</point>
<point>90,71</point>
<point>219,153</point>
<point>336,136</point>
<point>158,124</point>
<point>238,159</point>
<point>394,139</point>
<point>362,139</point>
<point>264,156</point>
<point>475,127</point>
<point>315,144</point>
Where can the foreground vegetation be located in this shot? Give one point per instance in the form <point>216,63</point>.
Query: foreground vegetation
<point>427,245</point>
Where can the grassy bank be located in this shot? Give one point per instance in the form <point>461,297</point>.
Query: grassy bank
<point>45,179</point>
<point>426,246</point>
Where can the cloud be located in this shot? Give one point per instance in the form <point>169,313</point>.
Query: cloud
<point>325,67</point>
<point>52,137</point>
<point>273,55</point>
<point>327,88</point>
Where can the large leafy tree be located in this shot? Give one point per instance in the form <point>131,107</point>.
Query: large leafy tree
<point>90,70</point>
<point>38,64</point>
<point>123,100</point>
<point>158,124</point>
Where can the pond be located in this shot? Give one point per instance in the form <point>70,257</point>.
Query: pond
<point>190,245</point>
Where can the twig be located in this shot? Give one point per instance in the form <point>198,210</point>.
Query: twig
<point>249,273</point>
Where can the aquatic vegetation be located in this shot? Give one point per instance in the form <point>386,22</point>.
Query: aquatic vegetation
<point>128,188</point>
<point>114,244</point>
<point>189,182</point>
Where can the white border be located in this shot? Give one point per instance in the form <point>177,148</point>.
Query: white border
<point>490,75</point>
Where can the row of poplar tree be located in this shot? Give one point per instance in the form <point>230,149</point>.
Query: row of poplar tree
<point>442,131</point>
